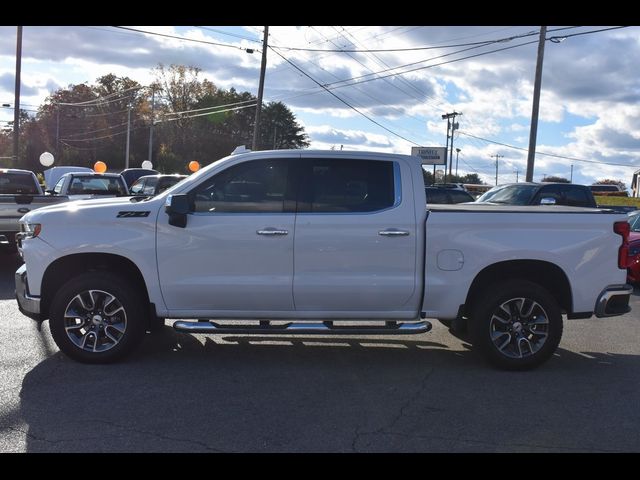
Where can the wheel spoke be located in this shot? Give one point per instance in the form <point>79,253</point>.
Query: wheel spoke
<point>118,327</point>
<point>497,335</point>
<point>111,314</point>
<point>522,340</point>
<point>74,327</point>
<point>111,337</point>
<point>504,322</point>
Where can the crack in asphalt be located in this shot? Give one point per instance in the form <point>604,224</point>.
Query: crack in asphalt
<point>38,438</point>
<point>161,436</point>
<point>401,413</point>
<point>459,438</point>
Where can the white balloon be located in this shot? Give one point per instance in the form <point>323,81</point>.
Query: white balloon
<point>46,159</point>
<point>147,164</point>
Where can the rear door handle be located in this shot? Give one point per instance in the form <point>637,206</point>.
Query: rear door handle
<point>393,232</point>
<point>270,231</point>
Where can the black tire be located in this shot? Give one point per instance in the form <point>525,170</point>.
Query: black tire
<point>97,317</point>
<point>516,325</point>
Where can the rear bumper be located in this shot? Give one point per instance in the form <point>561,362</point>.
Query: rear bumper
<point>28,305</point>
<point>613,301</point>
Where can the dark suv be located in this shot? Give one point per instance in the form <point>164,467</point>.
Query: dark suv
<point>540,194</point>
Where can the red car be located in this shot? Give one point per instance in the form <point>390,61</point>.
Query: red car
<point>633,271</point>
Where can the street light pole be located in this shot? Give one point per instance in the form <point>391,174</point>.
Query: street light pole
<point>126,158</point>
<point>153,108</point>
<point>16,105</point>
<point>457,153</point>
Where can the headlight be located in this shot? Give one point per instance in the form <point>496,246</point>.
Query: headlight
<point>30,230</point>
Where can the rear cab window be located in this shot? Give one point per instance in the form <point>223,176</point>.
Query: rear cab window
<point>338,185</point>
<point>19,183</point>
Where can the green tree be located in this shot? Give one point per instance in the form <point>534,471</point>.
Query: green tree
<point>279,129</point>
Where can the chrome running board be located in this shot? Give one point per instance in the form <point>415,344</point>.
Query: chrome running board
<point>305,328</point>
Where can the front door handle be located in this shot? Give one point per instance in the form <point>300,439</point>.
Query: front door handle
<point>393,232</point>
<point>270,231</point>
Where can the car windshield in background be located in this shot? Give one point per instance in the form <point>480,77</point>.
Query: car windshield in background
<point>510,194</point>
<point>96,186</point>
<point>634,221</point>
<point>17,184</point>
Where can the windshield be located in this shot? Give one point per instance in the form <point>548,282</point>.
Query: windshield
<point>510,194</point>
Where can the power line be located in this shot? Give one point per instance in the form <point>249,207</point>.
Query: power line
<point>228,33</point>
<point>341,100</point>
<point>549,154</point>
<point>249,50</point>
<point>411,49</point>
<point>562,37</point>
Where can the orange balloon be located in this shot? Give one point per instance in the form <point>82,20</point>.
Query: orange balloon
<point>100,167</point>
<point>194,166</point>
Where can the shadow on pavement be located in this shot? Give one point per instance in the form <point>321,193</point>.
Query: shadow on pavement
<point>236,393</point>
<point>9,263</point>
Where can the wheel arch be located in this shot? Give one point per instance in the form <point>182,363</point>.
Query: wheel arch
<point>546,274</point>
<point>63,269</point>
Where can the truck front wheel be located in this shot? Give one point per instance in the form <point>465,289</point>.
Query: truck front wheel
<point>96,317</point>
<point>516,325</point>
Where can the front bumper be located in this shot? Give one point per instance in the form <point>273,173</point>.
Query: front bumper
<point>28,305</point>
<point>613,301</point>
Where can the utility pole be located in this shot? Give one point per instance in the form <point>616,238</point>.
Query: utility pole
<point>16,103</point>
<point>57,130</point>
<point>126,158</point>
<point>497,157</point>
<point>517,174</point>
<point>153,118</point>
<point>457,153</point>
<point>571,179</point>
<point>446,152</point>
<point>533,133</point>
<point>263,68</point>
<point>454,126</point>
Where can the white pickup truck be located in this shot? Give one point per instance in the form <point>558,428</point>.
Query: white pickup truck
<point>20,193</point>
<point>316,242</point>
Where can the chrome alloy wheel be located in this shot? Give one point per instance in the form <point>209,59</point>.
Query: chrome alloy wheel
<point>519,327</point>
<point>95,321</point>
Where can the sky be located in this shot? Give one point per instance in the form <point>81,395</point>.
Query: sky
<point>391,96</point>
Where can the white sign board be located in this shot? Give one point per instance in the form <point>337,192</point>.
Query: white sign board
<point>431,155</point>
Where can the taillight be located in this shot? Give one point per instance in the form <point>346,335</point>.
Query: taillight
<point>623,229</point>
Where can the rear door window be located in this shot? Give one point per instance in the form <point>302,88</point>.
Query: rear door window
<point>347,186</point>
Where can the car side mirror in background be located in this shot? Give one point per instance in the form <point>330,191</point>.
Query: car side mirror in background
<point>547,201</point>
<point>177,207</point>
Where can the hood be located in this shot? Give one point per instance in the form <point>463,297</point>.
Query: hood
<point>94,208</point>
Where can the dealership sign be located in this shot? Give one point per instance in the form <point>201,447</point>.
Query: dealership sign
<point>431,155</point>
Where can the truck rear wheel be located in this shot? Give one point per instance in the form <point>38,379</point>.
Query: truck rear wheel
<point>516,325</point>
<point>96,317</point>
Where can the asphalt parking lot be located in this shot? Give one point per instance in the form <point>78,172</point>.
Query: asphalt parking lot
<point>237,393</point>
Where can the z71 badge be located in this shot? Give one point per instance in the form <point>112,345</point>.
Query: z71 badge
<point>133,214</point>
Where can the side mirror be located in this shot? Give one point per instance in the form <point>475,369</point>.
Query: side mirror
<point>547,201</point>
<point>177,207</point>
